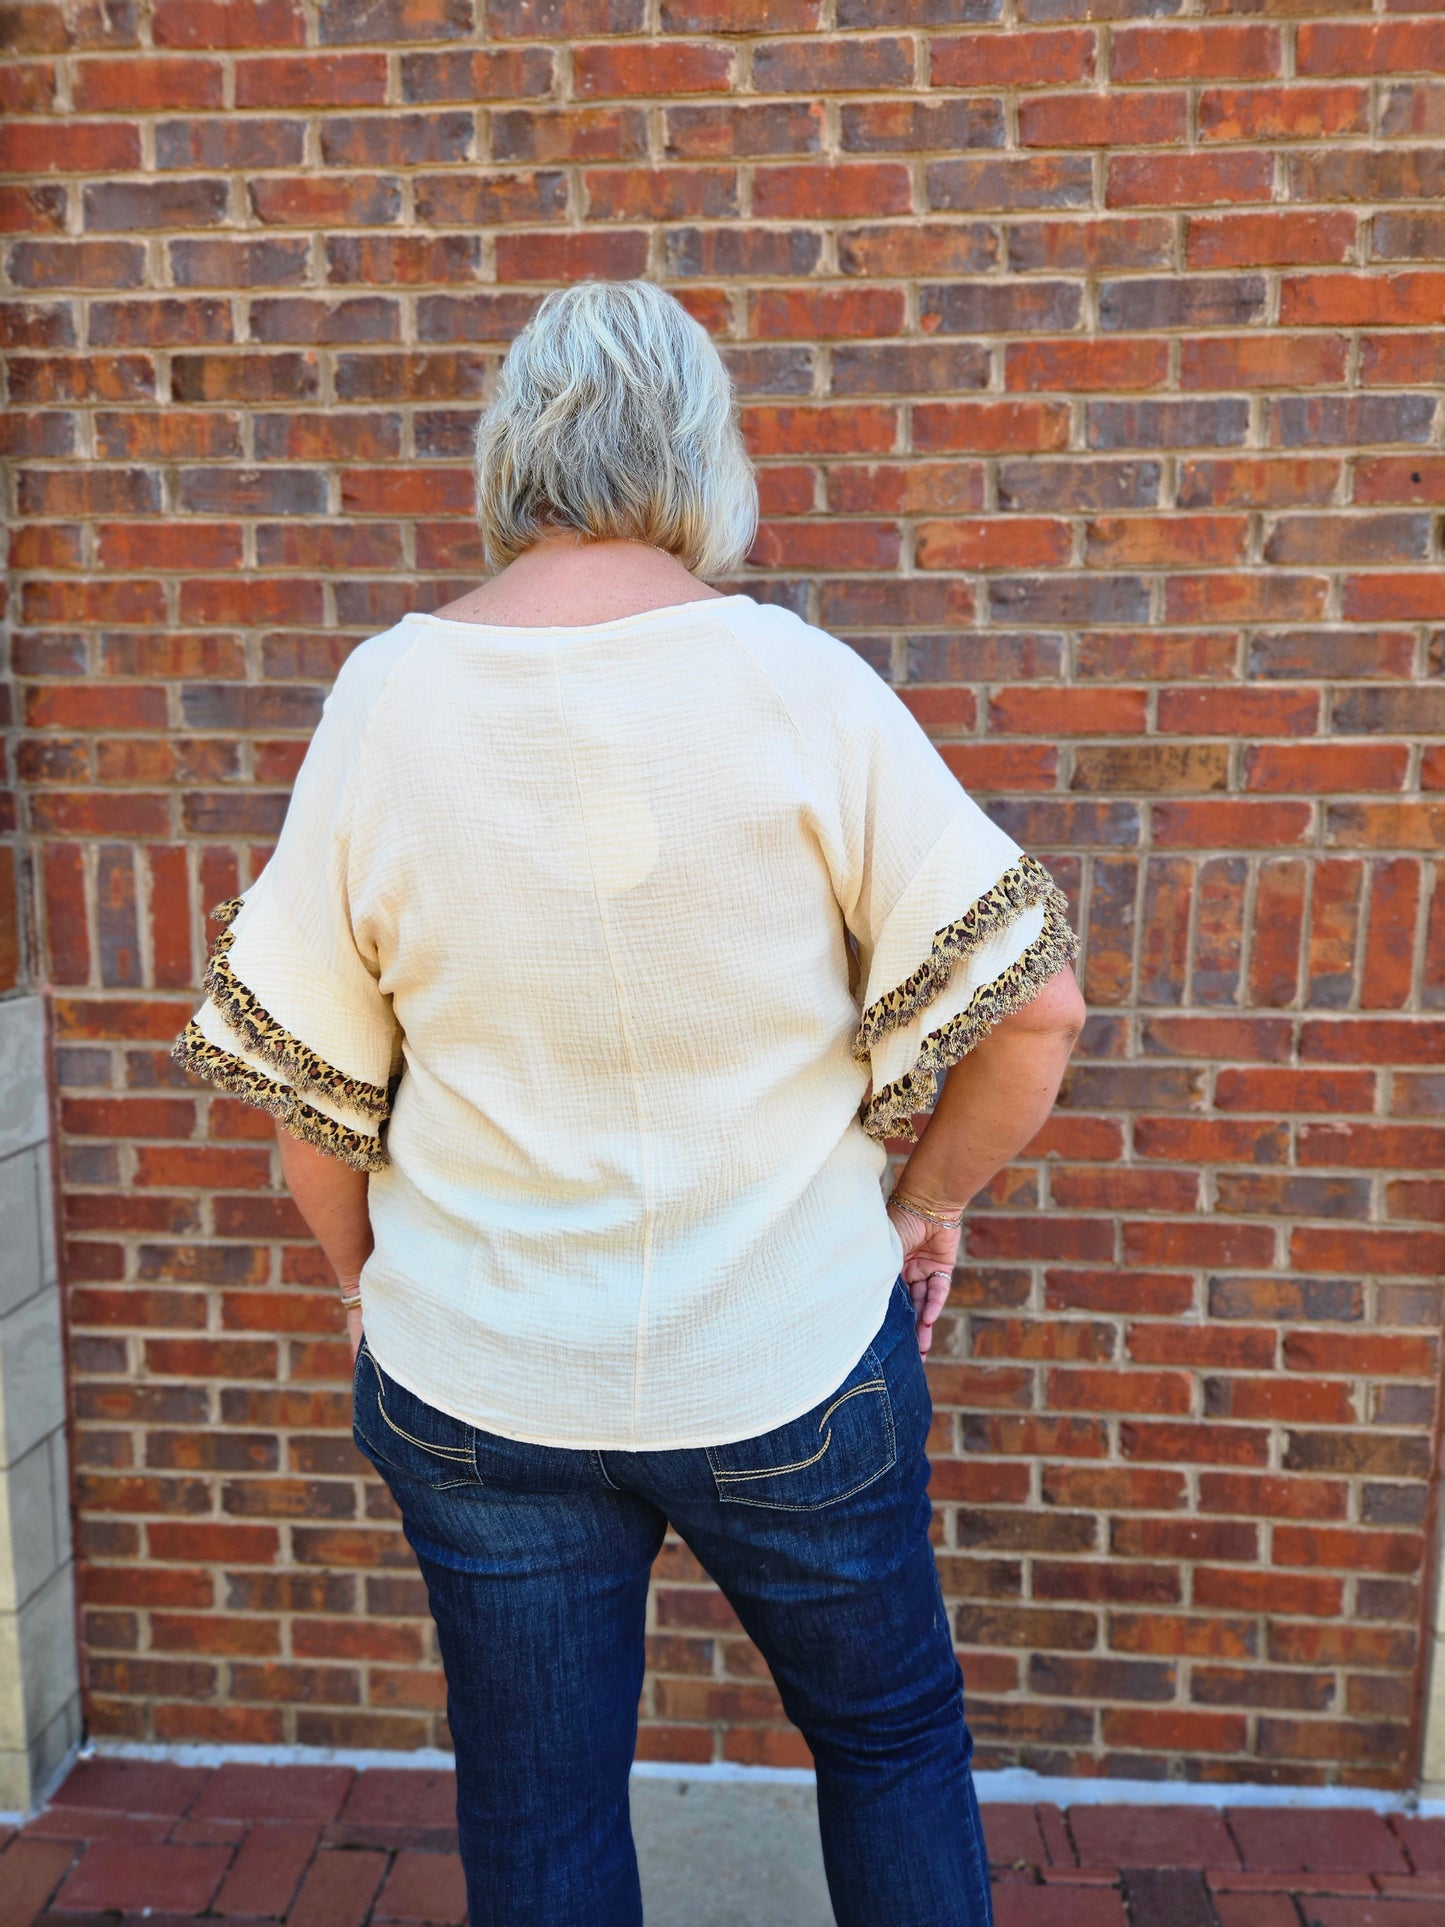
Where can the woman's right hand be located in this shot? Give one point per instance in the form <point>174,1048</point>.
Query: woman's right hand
<point>930,1251</point>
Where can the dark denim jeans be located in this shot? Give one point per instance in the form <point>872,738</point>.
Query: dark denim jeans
<point>536,1562</point>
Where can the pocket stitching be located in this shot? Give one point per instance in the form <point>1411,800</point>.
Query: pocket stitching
<point>433,1451</point>
<point>801,1465</point>
<point>879,1382</point>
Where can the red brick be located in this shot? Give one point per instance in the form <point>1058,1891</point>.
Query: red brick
<point>1099,1391</point>
<point>1352,1841</point>
<point>1087,365</point>
<point>1155,52</point>
<point>267,1870</point>
<point>1269,240</point>
<point>1316,1546</point>
<point>820,191</point>
<point>133,83</point>
<point>602,70</point>
<point>1389,46</point>
<point>989,426</point>
<point>1102,120</point>
<point>1057,1906</point>
<point>280,200</point>
<point>1283,113</point>
<point>1162,1836</point>
<point>1315,769</point>
<point>297,1793</point>
<point>1360,300</point>
<point>1194,180</point>
<point>988,544</point>
<point>121,1874</point>
<point>33,1868</point>
<point>313,80</point>
<point>338,1889</point>
<point>228,23</point>
<point>76,147</point>
<point>1013,59</point>
<point>423,1887</point>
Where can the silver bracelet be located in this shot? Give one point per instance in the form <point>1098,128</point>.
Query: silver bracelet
<point>351,1303</point>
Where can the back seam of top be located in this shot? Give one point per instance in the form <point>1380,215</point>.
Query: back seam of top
<point>625,1027</point>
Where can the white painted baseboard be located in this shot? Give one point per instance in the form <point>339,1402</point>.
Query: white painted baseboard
<point>1013,1787</point>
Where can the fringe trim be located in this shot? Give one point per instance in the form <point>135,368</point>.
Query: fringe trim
<point>889,1113</point>
<point>197,1053</point>
<point>1018,889</point>
<point>275,1045</point>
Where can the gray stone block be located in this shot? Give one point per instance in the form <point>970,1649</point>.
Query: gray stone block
<point>22,1245</point>
<point>29,1550</point>
<point>32,1375</point>
<point>50,1676</point>
<point>24,1104</point>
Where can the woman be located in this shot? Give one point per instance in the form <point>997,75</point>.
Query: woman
<point>614,926</point>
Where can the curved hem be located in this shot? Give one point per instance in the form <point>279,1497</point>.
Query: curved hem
<point>795,1408</point>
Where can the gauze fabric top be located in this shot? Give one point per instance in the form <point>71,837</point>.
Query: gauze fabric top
<point>586,943</point>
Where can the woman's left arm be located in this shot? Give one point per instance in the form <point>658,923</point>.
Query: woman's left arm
<point>331,1197</point>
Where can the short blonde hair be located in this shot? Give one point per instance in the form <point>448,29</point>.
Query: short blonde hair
<point>615,416</point>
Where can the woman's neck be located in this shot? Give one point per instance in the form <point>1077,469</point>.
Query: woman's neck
<point>567,580</point>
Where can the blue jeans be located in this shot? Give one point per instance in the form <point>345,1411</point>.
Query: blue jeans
<point>536,1562</point>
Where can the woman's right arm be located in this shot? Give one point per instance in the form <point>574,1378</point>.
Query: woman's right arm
<point>993,1102</point>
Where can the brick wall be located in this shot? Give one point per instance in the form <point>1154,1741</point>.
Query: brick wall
<point>1091,367</point>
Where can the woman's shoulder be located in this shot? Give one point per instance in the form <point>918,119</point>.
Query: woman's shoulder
<point>360,683</point>
<point>803,660</point>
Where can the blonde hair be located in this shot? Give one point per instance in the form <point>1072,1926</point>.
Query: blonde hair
<point>615,416</point>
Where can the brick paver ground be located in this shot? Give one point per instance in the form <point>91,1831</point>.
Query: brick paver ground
<point>137,1844</point>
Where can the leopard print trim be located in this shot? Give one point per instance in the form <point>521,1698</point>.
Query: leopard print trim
<point>889,1113</point>
<point>275,1045</point>
<point>1026,884</point>
<point>197,1053</point>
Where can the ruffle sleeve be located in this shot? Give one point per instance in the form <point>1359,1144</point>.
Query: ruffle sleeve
<point>936,984</point>
<point>956,926</point>
<point>235,1043</point>
<point>295,1020</point>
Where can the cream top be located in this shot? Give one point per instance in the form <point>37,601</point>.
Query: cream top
<point>586,943</point>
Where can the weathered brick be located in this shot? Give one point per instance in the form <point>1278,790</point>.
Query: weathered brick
<point>123,206</point>
<point>602,71</point>
<point>1030,181</point>
<point>1103,120</point>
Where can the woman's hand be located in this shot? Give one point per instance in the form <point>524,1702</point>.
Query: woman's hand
<point>930,1251</point>
<point>353,1331</point>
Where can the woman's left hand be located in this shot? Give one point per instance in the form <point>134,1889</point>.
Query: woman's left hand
<point>930,1252</point>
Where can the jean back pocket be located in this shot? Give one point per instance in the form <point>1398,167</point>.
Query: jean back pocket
<point>844,1443</point>
<point>399,1432</point>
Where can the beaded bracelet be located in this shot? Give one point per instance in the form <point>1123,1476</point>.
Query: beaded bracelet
<point>905,1203</point>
